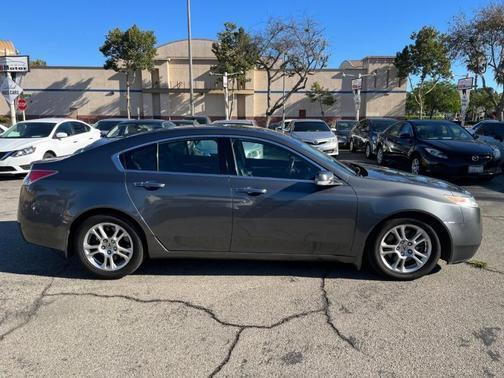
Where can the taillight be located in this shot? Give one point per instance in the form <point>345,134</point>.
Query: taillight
<point>38,174</point>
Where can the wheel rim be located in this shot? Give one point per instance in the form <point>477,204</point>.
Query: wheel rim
<point>405,248</point>
<point>379,156</point>
<point>108,246</point>
<point>415,166</point>
<point>368,151</point>
<point>351,145</point>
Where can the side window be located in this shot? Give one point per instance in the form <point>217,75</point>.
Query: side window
<point>190,156</point>
<point>65,127</point>
<point>140,159</point>
<point>395,130</point>
<point>406,129</point>
<point>262,159</point>
<point>79,128</point>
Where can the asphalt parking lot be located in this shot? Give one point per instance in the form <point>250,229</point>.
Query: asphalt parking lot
<point>206,318</point>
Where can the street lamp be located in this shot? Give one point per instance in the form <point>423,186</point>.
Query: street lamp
<point>225,77</point>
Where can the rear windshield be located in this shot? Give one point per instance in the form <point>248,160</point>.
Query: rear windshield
<point>310,126</point>
<point>29,130</point>
<point>127,129</point>
<point>106,125</point>
<point>382,124</point>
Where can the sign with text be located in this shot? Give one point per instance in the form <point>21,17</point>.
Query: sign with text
<point>357,84</point>
<point>15,63</point>
<point>465,83</point>
<point>10,90</point>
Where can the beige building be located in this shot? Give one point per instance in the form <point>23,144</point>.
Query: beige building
<point>90,93</point>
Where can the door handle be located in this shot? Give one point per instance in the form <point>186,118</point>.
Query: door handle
<point>251,191</point>
<point>151,185</point>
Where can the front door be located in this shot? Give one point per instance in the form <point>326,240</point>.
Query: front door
<point>277,208</point>
<point>182,192</point>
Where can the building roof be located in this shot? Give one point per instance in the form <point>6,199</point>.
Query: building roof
<point>7,48</point>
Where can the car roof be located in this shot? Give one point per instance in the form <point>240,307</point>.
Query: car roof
<point>430,121</point>
<point>308,120</point>
<point>53,120</point>
<point>234,121</point>
<point>143,121</point>
<point>113,119</point>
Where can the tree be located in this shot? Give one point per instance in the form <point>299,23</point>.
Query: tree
<point>37,63</point>
<point>321,95</point>
<point>482,100</point>
<point>292,49</point>
<point>236,53</point>
<point>478,42</point>
<point>426,59</point>
<point>444,98</point>
<point>129,52</point>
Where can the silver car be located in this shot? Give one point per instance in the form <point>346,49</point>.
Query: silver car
<point>316,133</point>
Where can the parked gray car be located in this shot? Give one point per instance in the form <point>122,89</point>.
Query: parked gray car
<point>314,132</point>
<point>204,193</point>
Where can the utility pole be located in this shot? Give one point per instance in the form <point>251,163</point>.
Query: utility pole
<point>189,37</point>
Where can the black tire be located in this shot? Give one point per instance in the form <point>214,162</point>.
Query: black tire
<point>380,157</point>
<point>367,151</point>
<point>48,155</point>
<point>135,260</point>
<point>351,146</point>
<point>379,266</point>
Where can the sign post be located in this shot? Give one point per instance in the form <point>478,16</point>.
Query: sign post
<point>10,90</point>
<point>22,105</point>
<point>356,89</point>
<point>464,87</point>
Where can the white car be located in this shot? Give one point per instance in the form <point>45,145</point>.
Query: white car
<point>40,139</point>
<point>3,128</point>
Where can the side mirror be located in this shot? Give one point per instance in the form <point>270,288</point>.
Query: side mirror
<point>326,178</point>
<point>61,135</point>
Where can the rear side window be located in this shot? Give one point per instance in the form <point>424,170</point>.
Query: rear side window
<point>140,159</point>
<point>79,128</point>
<point>65,128</point>
<point>190,156</point>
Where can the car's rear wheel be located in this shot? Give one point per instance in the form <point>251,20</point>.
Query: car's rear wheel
<point>380,156</point>
<point>109,247</point>
<point>416,166</point>
<point>368,152</point>
<point>405,249</point>
<point>352,146</point>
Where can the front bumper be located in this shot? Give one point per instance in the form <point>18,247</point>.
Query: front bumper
<point>466,237</point>
<point>16,165</point>
<point>459,168</point>
<point>328,148</point>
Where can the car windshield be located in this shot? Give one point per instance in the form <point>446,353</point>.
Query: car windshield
<point>307,126</point>
<point>127,129</point>
<point>441,131</point>
<point>29,130</point>
<point>345,125</point>
<point>382,124</point>
<point>106,125</point>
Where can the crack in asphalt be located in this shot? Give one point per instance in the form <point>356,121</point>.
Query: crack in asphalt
<point>488,269</point>
<point>327,304</point>
<point>32,311</point>
<point>228,355</point>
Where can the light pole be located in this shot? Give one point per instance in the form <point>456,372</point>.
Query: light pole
<point>225,77</point>
<point>356,89</point>
<point>191,89</point>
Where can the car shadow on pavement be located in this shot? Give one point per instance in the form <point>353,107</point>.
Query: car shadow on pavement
<point>19,257</point>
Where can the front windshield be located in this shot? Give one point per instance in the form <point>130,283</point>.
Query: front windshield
<point>345,125</point>
<point>127,129</point>
<point>322,156</point>
<point>29,130</point>
<point>441,131</point>
<point>382,124</point>
<point>310,126</point>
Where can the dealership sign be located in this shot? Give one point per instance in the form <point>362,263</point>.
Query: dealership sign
<point>464,87</point>
<point>17,63</point>
<point>357,84</point>
<point>465,84</point>
<point>10,90</point>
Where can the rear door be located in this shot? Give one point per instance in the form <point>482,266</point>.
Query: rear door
<point>84,133</point>
<point>181,189</point>
<point>69,144</point>
<point>277,208</point>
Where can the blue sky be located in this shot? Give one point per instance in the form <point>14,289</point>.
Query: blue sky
<point>70,32</point>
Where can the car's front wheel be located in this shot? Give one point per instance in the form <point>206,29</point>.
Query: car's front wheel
<point>109,247</point>
<point>368,152</point>
<point>405,249</point>
<point>352,145</point>
<point>379,156</point>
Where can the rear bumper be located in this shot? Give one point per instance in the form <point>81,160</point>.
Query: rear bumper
<point>466,237</point>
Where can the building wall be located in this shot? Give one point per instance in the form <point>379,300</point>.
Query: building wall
<point>93,92</point>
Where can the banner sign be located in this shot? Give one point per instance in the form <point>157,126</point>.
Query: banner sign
<point>17,63</point>
<point>10,90</point>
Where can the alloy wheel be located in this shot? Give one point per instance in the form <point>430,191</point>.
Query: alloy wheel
<point>415,166</point>
<point>108,246</point>
<point>405,248</point>
<point>379,156</point>
<point>368,151</point>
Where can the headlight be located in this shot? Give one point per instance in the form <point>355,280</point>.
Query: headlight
<point>436,153</point>
<point>466,201</point>
<point>24,151</point>
<point>496,153</point>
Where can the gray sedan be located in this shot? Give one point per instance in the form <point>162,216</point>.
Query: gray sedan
<point>220,192</point>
